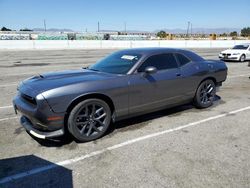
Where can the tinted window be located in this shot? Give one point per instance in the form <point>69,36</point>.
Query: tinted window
<point>161,61</point>
<point>240,47</point>
<point>182,59</point>
<point>191,55</point>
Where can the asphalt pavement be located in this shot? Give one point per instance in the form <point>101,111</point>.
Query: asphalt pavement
<point>177,147</point>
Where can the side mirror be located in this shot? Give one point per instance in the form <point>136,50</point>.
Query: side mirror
<point>150,70</point>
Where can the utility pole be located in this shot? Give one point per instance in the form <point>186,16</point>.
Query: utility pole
<point>44,23</point>
<point>188,28</point>
<point>125,27</point>
<point>191,30</point>
<point>98,27</point>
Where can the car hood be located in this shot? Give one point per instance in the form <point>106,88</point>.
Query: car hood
<point>44,82</point>
<point>232,51</point>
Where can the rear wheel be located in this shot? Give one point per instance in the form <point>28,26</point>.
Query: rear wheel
<point>242,58</point>
<point>205,94</point>
<point>89,119</point>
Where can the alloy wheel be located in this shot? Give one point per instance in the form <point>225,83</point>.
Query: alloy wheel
<point>207,93</point>
<point>91,120</point>
<point>242,58</point>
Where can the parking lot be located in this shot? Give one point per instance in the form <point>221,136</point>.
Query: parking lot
<point>178,147</point>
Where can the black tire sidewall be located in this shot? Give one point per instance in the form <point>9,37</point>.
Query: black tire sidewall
<point>197,101</point>
<point>71,126</point>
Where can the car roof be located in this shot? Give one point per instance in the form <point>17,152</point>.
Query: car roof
<point>150,50</point>
<point>154,50</point>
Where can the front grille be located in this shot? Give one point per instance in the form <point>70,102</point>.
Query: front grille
<point>28,98</point>
<point>226,54</point>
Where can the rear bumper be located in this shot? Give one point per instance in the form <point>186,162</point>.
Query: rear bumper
<point>39,134</point>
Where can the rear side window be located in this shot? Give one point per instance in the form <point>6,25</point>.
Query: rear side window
<point>160,61</point>
<point>183,60</point>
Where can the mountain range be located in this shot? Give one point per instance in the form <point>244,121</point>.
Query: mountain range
<point>175,31</point>
<point>52,30</point>
<point>202,30</point>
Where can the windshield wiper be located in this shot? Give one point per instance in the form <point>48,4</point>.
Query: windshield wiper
<point>94,70</point>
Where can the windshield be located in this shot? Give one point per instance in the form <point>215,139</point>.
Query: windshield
<point>240,47</point>
<point>116,63</point>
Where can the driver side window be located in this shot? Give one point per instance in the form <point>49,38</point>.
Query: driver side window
<point>160,62</point>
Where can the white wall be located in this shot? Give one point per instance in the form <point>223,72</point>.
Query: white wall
<point>95,44</point>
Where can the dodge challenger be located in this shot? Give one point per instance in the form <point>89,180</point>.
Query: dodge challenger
<point>124,84</point>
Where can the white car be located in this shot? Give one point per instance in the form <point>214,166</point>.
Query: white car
<point>240,52</point>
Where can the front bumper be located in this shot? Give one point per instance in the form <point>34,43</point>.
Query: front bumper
<point>39,134</point>
<point>38,119</point>
<point>229,57</point>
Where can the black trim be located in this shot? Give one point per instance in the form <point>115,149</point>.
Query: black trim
<point>39,134</point>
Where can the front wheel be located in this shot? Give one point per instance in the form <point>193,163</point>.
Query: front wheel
<point>242,58</point>
<point>89,119</point>
<point>205,94</point>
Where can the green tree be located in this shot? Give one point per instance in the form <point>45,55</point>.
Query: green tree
<point>233,34</point>
<point>245,32</point>
<point>223,35</point>
<point>26,29</point>
<point>161,34</point>
<point>5,29</point>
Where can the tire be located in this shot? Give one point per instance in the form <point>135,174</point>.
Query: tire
<point>89,120</point>
<point>205,94</point>
<point>242,58</point>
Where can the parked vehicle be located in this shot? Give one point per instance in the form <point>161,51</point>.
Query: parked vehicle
<point>239,53</point>
<point>125,84</point>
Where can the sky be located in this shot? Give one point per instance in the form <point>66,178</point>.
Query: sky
<point>147,15</point>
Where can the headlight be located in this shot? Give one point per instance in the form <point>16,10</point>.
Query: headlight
<point>236,53</point>
<point>40,97</point>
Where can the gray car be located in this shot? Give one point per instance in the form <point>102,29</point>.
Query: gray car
<point>125,84</point>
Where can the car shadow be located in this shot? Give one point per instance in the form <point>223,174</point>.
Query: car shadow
<point>128,124</point>
<point>150,116</point>
<point>174,111</point>
<point>33,171</point>
<point>231,61</point>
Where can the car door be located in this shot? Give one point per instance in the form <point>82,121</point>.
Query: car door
<point>189,71</point>
<point>148,92</point>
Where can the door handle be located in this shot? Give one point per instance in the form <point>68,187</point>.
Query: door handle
<point>178,74</point>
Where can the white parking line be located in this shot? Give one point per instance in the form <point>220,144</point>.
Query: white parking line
<point>241,75</point>
<point>4,107</point>
<point>17,74</point>
<point>77,66</point>
<point>9,84</point>
<point>4,119</point>
<point>116,146</point>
